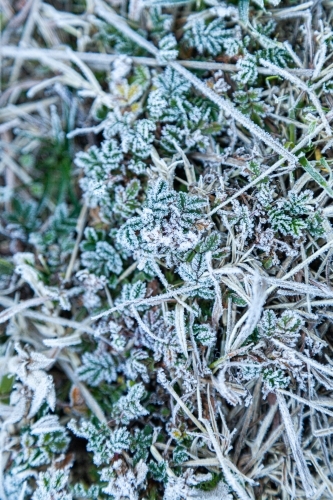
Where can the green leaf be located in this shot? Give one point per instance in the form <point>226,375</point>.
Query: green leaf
<point>179,455</point>
<point>141,443</point>
<point>158,471</point>
<point>296,227</point>
<point>6,384</point>
<point>213,128</point>
<point>210,243</point>
<point>138,290</point>
<point>132,188</point>
<point>316,176</point>
<point>212,483</point>
<point>236,299</point>
<point>204,334</point>
<point>6,267</point>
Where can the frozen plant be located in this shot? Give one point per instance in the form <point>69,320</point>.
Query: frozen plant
<point>166,247</point>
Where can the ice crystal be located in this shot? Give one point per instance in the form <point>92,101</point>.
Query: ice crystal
<point>207,37</point>
<point>97,367</point>
<point>29,368</point>
<point>166,250</point>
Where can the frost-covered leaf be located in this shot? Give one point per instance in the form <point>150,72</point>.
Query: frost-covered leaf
<point>141,443</point>
<point>179,455</point>
<point>204,334</point>
<point>316,176</point>
<point>207,37</point>
<point>158,470</point>
<point>29,369</point>
<point>129,407</point>
<point>168,50</point>
<point>99,256</point>
<point>166,224</point>
<point>102,442</point>
<point>125,199</point>
<point>210,244</point>
<point>133,292</point>
<point>97,367</point>
<point>47,424</point>
<point>53,484</point>
<point>247,69</point>
<point>133,368</point>
<point>243,7</point>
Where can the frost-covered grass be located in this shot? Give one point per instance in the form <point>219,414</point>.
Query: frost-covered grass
<point>166,246</point>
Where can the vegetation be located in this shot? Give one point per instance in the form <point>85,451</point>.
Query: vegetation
<point>166,250</point>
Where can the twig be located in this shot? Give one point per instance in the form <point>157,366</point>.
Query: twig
<point>102,61</point>
<point>87,396</point>
<point>79,229</point>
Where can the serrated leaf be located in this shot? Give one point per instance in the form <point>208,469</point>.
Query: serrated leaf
<point>158,470</point>
<point>204,334</point>
<point>210,244</point>
<point>97,367</point>
<point>179,455</point>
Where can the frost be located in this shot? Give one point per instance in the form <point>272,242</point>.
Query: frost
<point>207,38</point>
<point>247,67</point>
<point>168,50</point>
<point>129,407</point>
<point>204,334</point>
<point>167,224</point>
<point>102,442</point>
<point>242,219</point>
<point>91,284</point>
<point>47,424</point>
<point>98,255</point>
<point>166,250</point>
<point>52,484</point>
<point>133,368</point>
<point>29,369</point>
<point>122,483</point>
<point>97,367</point>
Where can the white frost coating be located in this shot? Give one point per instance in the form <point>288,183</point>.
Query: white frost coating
<point>225,105</point>
<point>254,312</point>
<point>299,84</point>
<point>296,448</point>
<point>29,369</point>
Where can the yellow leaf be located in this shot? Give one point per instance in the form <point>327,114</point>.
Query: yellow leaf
<point>317,154</point>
